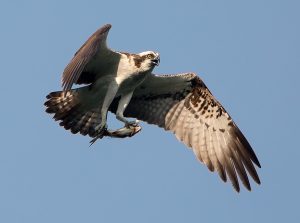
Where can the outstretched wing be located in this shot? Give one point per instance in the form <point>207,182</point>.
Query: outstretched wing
<point>87,60</point>
<point>184,105</point>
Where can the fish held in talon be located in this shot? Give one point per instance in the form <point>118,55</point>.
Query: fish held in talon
<point>125,84</point>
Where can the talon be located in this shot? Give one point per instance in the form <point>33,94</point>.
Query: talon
<point>99,134</point>
<point>134,123</point>
<point>100,127</point>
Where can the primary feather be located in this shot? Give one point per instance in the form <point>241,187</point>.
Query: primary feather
<point>124,84</point>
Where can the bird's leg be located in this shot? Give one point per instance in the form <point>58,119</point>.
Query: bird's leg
<point>109,97</point>
<point>123,103</point>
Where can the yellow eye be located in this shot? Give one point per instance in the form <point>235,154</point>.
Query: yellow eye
<point>149,56</point>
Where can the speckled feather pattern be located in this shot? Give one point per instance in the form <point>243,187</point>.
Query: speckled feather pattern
<point>198,120</point>
<point>72,113</point>
<point>180,103</point>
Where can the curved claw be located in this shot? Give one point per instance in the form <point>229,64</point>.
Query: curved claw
<point>99,135</point>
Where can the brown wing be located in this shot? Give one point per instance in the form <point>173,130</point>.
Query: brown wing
<point>93,49</point>
<point>184,105</point>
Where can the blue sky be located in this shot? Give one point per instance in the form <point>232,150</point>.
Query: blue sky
<point>248,54</point>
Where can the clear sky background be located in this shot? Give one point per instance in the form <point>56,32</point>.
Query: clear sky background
<point>248,54</point>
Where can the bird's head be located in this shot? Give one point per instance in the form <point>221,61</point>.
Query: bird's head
<point>148,60</point>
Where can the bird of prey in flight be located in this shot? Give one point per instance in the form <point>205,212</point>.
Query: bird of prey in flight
<point>124,84</point>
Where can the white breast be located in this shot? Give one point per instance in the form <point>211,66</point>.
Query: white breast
<point>129,76</point>
<point>126,68</point>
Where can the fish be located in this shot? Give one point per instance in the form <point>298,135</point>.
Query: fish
<point>126,131</point>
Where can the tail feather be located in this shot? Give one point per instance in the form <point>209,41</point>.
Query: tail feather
<point>60,102</point>
<point>72,113</point>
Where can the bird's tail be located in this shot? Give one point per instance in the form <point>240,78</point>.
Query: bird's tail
<point>73,112</point>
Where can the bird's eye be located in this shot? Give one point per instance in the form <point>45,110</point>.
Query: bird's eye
<point>149,56</point>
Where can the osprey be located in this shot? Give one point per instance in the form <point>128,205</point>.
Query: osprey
<point>124,84</point>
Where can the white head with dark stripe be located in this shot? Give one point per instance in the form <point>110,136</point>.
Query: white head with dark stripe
<point>147,60</point>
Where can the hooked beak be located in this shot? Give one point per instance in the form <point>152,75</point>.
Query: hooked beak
<point>156,61</point>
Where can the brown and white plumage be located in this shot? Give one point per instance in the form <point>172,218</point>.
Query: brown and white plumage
<point>184,105</point>
<point>83,67</point>
<point>124,84</point>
